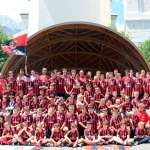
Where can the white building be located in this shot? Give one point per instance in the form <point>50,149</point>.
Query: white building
<point>44,13</point>
<point>137,19</point>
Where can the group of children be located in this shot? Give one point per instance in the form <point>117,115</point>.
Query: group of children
<point>75,108</point>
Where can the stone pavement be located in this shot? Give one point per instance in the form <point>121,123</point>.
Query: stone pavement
<point>106,147</point>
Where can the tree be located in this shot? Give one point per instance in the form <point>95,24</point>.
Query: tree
<point>145,49</point>
<point>3,39</point>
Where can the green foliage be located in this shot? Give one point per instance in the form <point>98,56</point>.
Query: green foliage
<point>145,49</point>
<point>3,39</point>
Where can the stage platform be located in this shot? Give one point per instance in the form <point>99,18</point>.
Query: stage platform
<point>106,147</point>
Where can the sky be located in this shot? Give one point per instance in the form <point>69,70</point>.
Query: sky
<point>13,8</point>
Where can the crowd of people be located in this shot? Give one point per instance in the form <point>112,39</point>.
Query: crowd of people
<point>75,108</point>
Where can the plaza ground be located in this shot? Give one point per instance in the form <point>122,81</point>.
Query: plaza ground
<point>106,147</point>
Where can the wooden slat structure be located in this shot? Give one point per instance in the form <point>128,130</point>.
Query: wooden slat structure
<point>79,45</point>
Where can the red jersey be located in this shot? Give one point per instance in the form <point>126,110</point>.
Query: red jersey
<point>128,86</point>
<point>123,133</point>
<point>60,85</point>
<point>89,133</point>
<point>57,135</point>
<point>38,118</point>
<point>50,120</point>
<point>68,84</point>
<point>20,83</point>
<point>135,120</point>
<point>115,122</point>
<point>71,117</point>
<point>138,85</point>
<point>127,106</point>
<point>43,104</point>
<point>44,79</point>
<point>88,95</point>
<point>7,132</point>
<point>147,86</point>
<point>51,93</point>
<point>104,118</point>
<point>105,131</point>
<point>15,120</point>
<point>18,104</point>
<point>140,132</point>
<point>24,134</point>
<point>2,85</point>
<point>83,117</point>
<point>40,134</point>
<point>53,81</point>
<point>34,104</point>
<point>96,83</point>
<point>76,86</point>
<point>146,102</point>
<point>61,118</point>
<point>12,82</point>
<point>94,118</point>
<point>120,85</point>
<point>28,119</point>
<point>112,86</point>
<point>35,81</point>
<point>103,86</point>
<point>73,135</point>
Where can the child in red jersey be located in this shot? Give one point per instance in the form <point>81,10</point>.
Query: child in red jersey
<point>82,120</point>
<point>60,115</point>
<point>68,85</point>
<point>51,91</point>
<point>103,116</point>
<point>49,120</point>
<point>88,93</point>
<point>140,134</point>
<point>7,135</point>
<point>44,77</point>
<point>80,102</point>
<point>40,135</point>
<point>102,105</point>
<point>72,136</point>
<point>89,135</point>
<point>105,133</point>
<point>146,137</point>
<point>56,138</point>
<point>11,80</point>
<point>22,133</point>
<point>38,116</point>
<point>126,105</point>
<point>123,135</point>
<point>115,120</point>
<point>93,117</point>
<point>146,101</point>
<point>27,116</point>
<point>15,118</point>
<point>71,116</point>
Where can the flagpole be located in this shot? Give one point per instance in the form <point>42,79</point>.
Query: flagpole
<point>26,61</point>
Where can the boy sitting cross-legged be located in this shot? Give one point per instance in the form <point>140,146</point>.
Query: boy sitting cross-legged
<point>123,135</point>
<point>56,138</point>
<point>89,135</point>
<point>105,133</point>
<point>72,136</point>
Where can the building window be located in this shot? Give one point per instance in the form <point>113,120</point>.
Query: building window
<point>140,6</point>
<point>146,5</point>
